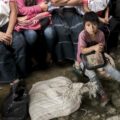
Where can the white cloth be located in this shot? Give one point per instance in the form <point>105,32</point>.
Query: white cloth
<point>97,5</point>
<point>4,12</point>
<point>56,97</point>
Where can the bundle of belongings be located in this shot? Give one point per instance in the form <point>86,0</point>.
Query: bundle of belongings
<point>57,97</point>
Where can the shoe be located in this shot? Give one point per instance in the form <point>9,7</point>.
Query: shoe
<point>77,70</point>
<point>104,100</point>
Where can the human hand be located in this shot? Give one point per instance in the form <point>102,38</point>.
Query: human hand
<point>99,48</point>
<point>23,18</point>
<point>6,38</point>
<point>44,6</point>
<point>104,20</point>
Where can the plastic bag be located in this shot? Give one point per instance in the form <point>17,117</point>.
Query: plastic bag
<point>15,105</point>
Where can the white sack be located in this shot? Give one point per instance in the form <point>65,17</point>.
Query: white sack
<point>56,97</point>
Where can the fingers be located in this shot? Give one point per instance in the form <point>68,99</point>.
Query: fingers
<point>7,39</point>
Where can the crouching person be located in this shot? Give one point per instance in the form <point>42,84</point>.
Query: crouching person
<point>12,45</point>
<point>91,39</point>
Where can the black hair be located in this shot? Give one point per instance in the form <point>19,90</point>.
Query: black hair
<point>30,2</point>
<point>91,17</point>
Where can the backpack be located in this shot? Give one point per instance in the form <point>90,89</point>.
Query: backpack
<point>15,104</point>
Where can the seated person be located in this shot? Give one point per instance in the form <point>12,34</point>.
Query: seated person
<point>67,23</point>
<point>33,18</point>
<point>12,45</point>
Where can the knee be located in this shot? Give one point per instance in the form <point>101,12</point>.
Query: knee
<point>30,36</point>
<point>18,41</point>
<point>49,33</point>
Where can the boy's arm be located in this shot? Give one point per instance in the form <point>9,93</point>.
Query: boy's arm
<point>12,19</point>
<point>97,48</point>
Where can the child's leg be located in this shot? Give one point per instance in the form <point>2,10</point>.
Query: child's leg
<point>114,73</point>
<point>93,78</point>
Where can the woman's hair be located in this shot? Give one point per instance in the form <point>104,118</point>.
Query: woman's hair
<point>30,2</point>
<point>91,17</point>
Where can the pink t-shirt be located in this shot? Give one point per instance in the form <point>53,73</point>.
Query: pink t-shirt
<point>27,10</point>
<point>84,40</point>
<point>33,15</point>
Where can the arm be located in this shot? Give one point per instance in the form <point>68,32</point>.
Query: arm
<point>74,2</point>
<point>7,37</point>
<point>106,18</point>
<point>59,2</point>
<point>66,2</point>
<point>107,14</point>
<point>26,10</point>
<point>97,48</point>
<point>12,19</point>
<point>86,8</point>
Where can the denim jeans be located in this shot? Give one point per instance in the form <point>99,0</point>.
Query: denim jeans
<point>13,59</point>
<point>30,37</point>
<point>50,36</point>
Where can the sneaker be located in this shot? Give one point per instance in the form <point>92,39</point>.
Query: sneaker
<point>104,100</point>
<point>77,69</point>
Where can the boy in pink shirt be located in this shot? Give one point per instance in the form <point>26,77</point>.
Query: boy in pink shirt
<point>92,39</point>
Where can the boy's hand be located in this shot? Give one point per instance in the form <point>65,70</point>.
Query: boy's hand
<point>99,47</point>
<point>6,38</point>
<point>44,6</point>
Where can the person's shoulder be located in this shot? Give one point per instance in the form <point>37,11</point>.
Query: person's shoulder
<point>82,32</point>
<point>100,32</point>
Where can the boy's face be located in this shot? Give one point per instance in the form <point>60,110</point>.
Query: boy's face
<point>91,27</point>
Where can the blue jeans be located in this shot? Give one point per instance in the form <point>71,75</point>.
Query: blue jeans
<point>50,36</point>
<point>30,37</point>
<point>13,59</point>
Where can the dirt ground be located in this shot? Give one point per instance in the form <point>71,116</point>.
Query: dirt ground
<point>90,109</point>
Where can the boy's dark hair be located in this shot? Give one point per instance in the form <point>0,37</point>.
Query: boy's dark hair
<point>91,17</point>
